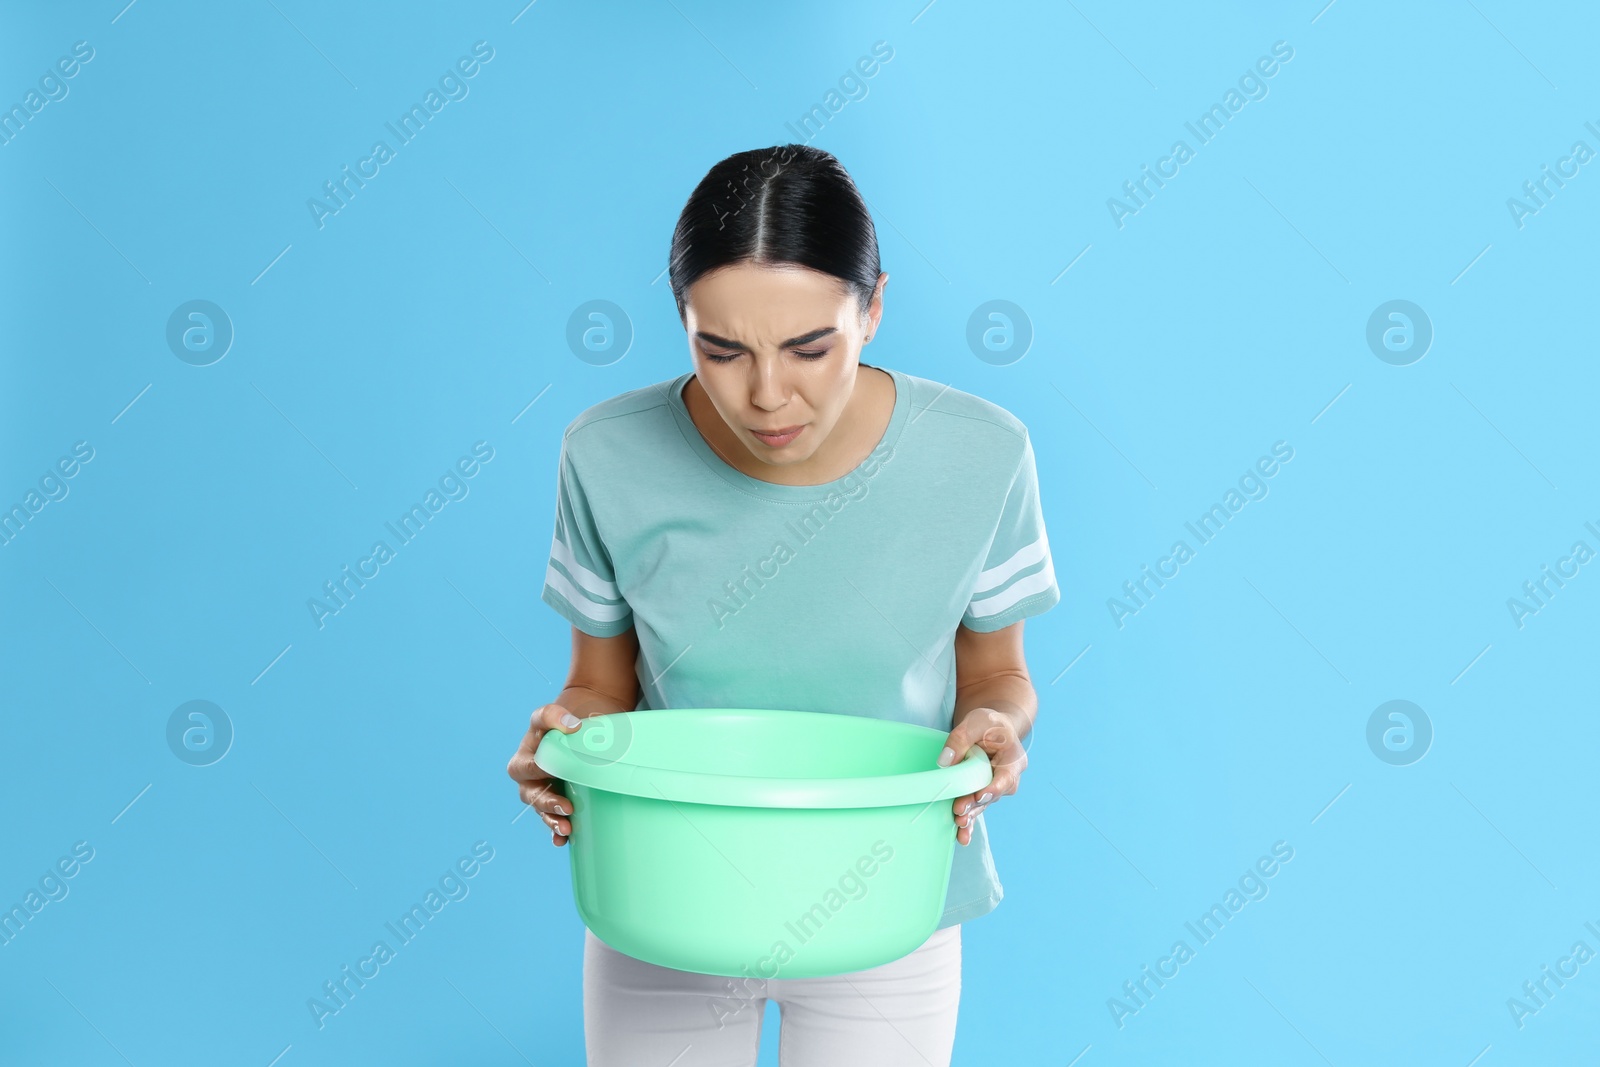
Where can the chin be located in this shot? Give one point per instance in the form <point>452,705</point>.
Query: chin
<point>783,458</point>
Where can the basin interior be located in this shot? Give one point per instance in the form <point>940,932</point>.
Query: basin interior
<point>770,744</point>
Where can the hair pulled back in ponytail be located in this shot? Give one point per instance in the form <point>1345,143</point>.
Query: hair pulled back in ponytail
<point>788,204</point>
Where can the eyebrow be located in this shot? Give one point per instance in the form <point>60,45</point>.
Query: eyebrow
<point>805,338</point>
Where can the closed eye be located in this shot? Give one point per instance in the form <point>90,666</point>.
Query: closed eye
<point>734,355</point>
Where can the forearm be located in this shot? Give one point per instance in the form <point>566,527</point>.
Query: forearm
<point>583,701</point>
<point>1012,695</point>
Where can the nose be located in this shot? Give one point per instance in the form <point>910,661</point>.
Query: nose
<point>769,387</point>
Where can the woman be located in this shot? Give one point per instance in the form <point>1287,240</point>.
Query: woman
<point>787,527</point>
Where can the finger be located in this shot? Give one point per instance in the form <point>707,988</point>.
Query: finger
<point>956,744</point>
<point>554,717</point>
<point>1009,758</point>
<point>522,764</point>
<point>525,768</point>
<point>982,728</point>
<point>545,718</point>
<point>965,816</point>
<point>979,797</point>
<point>544,797</point>
<point>1003,784</point>
<point>562,827</point>
<point>522,759</point>
<point>965,822</point>
<point>966,819</point>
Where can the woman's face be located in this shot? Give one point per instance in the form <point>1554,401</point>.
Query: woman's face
<point>794,338</point>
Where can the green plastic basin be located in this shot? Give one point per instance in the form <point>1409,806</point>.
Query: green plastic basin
<point>759,842</point>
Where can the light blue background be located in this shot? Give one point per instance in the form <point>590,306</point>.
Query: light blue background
<point>431,311</point>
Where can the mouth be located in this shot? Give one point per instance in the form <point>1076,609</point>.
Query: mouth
<point>777,438</point>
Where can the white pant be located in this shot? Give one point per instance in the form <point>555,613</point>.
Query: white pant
<point>638,1014</point>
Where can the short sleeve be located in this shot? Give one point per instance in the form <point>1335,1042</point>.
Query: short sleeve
<point>580,582</point>
<point>1018,579</point>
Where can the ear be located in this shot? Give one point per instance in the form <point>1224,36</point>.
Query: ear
<point>875,306</point>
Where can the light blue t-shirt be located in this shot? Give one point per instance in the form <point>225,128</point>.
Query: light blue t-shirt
<point>842,597</point>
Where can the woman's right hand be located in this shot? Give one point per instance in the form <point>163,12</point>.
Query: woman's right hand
<point>537,788</point>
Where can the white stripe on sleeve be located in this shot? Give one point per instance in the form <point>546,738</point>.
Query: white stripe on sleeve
<point>1000,573</point>
<point>1033,583</point>
<point>583,575</point>
<point>597,612</point>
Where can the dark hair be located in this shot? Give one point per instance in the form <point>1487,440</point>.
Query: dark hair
<point>786,204</point>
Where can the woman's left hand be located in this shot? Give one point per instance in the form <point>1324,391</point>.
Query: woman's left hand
<point>996,734</point>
